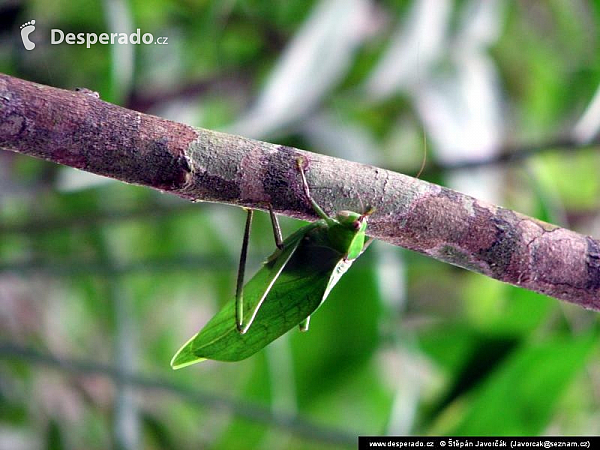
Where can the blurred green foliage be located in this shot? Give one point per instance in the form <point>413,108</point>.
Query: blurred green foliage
<point>118,276</point>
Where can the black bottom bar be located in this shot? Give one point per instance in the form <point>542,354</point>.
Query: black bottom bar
<point>438,442</point>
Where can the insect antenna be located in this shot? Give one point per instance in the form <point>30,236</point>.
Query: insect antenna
<point>424,160</point>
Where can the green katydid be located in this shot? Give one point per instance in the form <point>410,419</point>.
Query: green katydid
<point>293,282</point>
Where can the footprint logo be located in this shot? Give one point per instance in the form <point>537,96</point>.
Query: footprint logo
<point>26,29</point>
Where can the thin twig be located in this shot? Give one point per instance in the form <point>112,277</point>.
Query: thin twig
<point>40,225</point>
<point>212,262</point>
<point>294,424</point>
<point>512,153</point>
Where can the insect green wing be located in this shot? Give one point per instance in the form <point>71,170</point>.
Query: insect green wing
<point>220,339</point>
<point>303,284</point>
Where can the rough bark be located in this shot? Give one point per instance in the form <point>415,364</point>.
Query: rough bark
<point>82,131</point>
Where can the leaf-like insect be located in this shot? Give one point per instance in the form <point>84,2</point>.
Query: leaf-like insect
<point>293,282</point>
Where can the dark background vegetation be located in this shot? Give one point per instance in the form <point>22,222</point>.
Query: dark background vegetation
<point>101,282</point>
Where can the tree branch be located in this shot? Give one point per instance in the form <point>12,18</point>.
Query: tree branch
<point>82,131</point>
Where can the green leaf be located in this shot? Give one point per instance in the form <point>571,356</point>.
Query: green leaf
<point>524,390</point>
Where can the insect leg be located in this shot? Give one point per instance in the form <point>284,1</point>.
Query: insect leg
<point>276,228</point>
<point>316,207</point>
<point>239,288</point>
<point>304,324</point>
